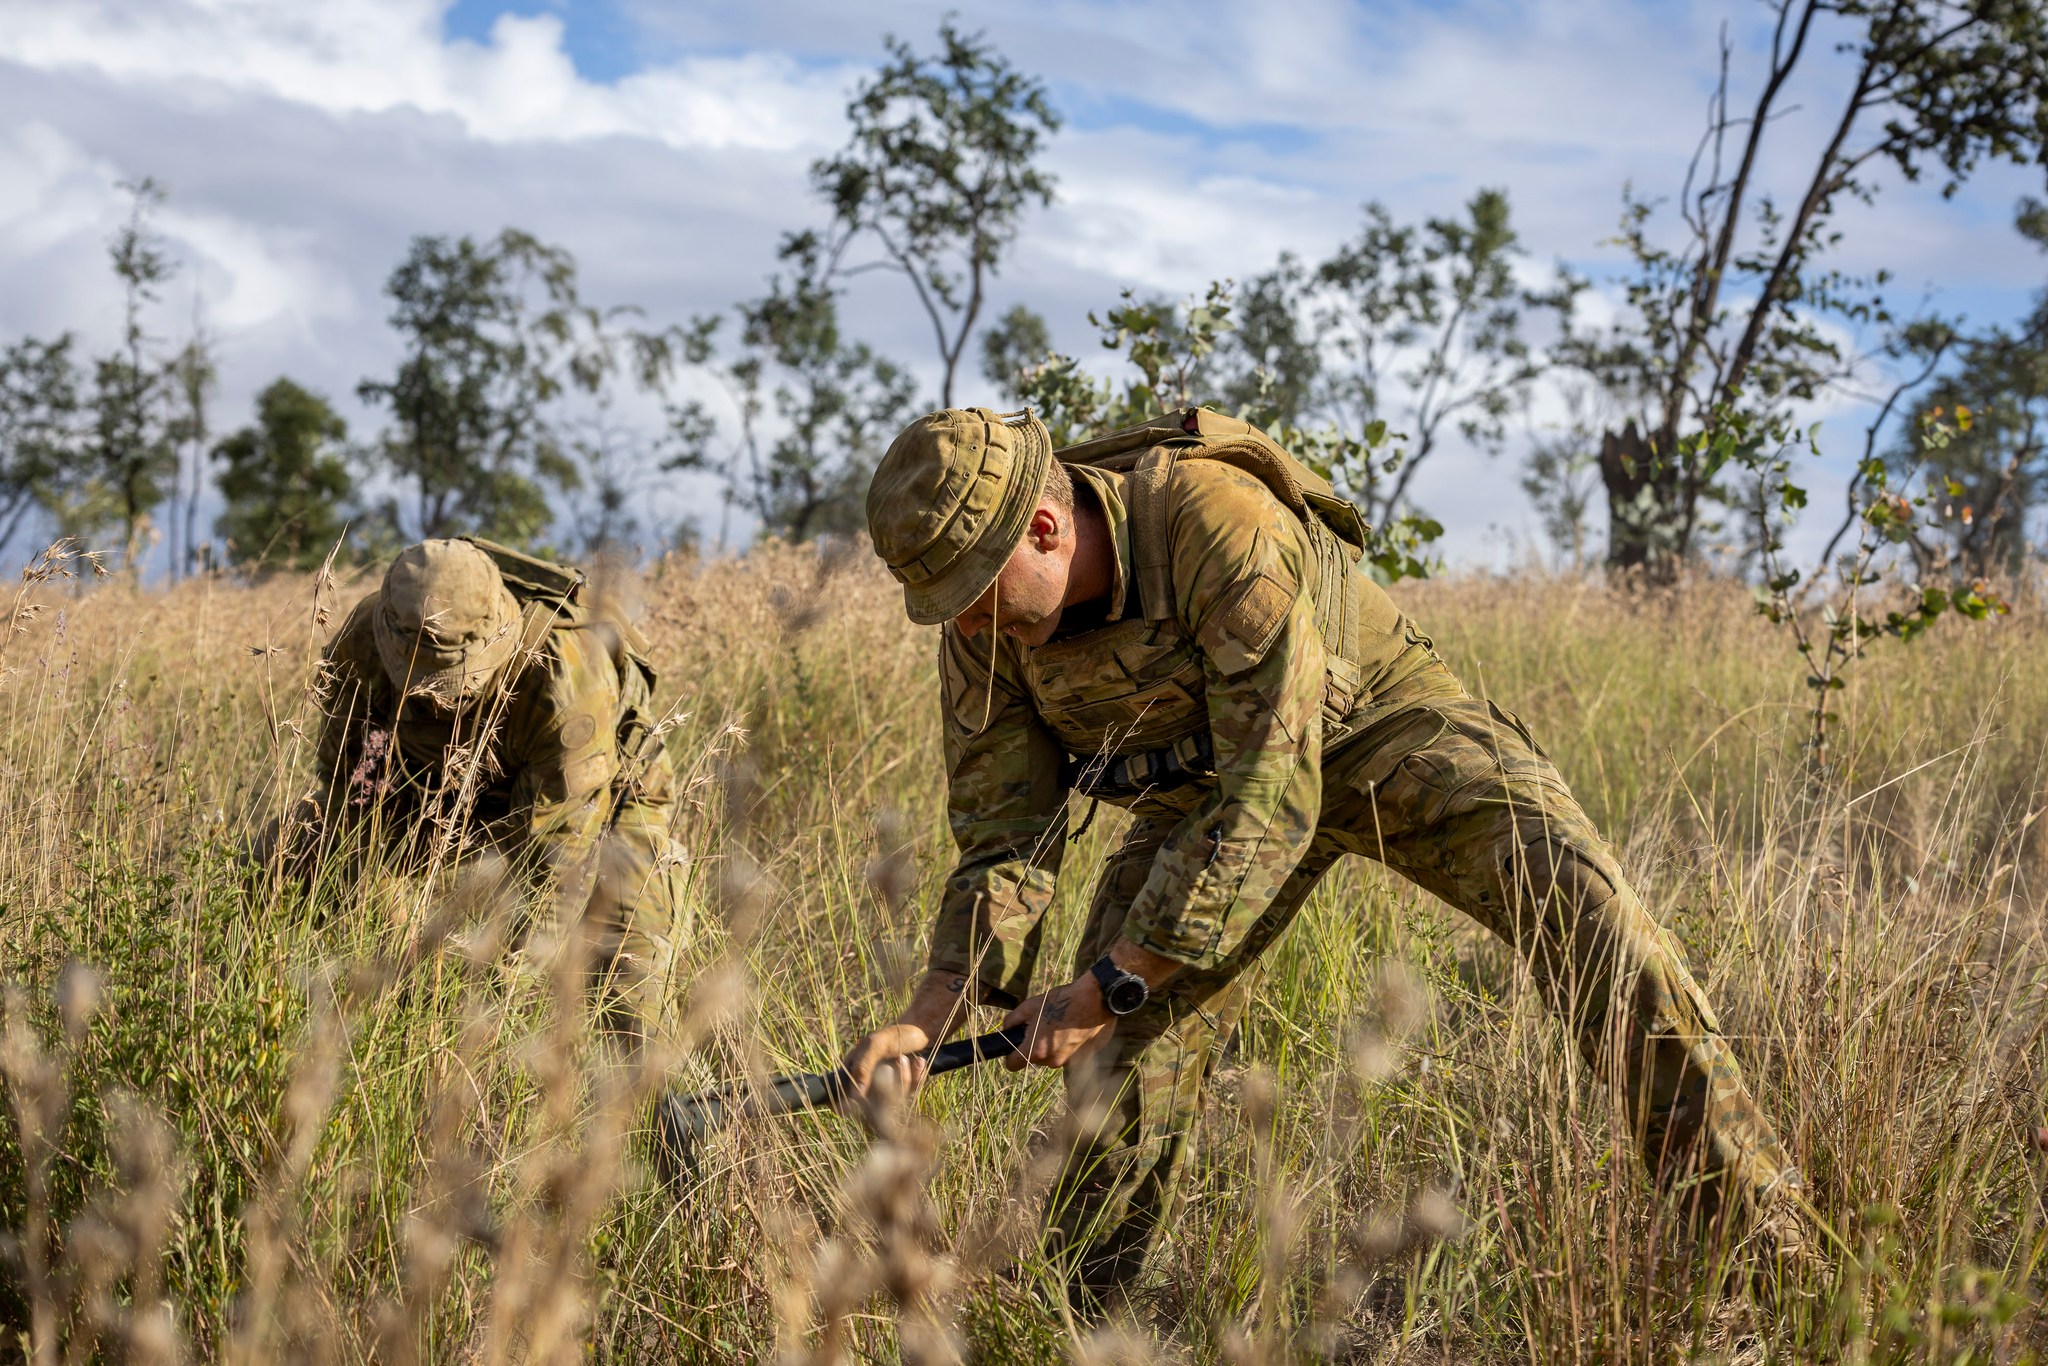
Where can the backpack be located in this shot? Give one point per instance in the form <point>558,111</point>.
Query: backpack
<point>1147,453</point>
<point>549,592</point>
<point>530,578</point>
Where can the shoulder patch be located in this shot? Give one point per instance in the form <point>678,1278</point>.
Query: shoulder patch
<point>587,774</point>
<point>578,730</point>
<point>1245,623</point>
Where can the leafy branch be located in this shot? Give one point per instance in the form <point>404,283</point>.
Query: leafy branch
<point>1832,634</point>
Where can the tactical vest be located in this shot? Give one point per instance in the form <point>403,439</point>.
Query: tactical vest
<point>1129,700</point>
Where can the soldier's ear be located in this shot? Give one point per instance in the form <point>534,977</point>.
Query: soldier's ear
<point>1046,527</point>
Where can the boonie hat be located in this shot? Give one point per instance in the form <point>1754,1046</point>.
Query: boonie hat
<point>445,622</point>
<point>951,499</point>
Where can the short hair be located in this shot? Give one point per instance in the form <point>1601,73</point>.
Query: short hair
<point>1059,486</point>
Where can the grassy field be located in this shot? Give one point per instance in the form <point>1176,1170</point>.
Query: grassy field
<point>248,1125</point>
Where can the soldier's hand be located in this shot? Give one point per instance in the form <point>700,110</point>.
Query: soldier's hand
<point>1066,1023</point>
<point>892,1056</point>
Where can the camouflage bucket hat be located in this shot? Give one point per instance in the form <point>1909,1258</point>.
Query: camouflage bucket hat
<point>950,501</point>
<point>445,622</point>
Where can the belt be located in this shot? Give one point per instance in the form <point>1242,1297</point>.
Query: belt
<point>1152,770</point>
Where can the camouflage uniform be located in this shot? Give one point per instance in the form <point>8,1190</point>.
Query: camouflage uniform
<point>567,781</point>
<point>1264,752</point>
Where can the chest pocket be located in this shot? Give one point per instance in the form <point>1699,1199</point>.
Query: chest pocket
<point>1136,685</point>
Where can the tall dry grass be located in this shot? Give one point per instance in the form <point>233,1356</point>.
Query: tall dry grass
<point>248,1123</point>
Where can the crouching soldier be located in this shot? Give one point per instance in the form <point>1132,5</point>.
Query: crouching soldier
<point>473,706</point>
<point>1174,619</point>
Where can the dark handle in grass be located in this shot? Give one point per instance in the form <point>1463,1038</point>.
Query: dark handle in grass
<point>680,1122</point>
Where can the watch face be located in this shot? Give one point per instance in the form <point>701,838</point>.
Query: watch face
<point>1125,994</point>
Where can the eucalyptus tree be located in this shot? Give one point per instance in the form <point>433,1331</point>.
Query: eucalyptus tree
<point>41,438</point>
<point>130,454</point>
<point>1737,314</point>
<point>1404,335</point>
<point>939,170</point>
<point>1018,342</point>
<point>813,409</point>
<point>1993,471</point>
<point>498,338</point>
<point>285,481</point>
<point>1426,324</point>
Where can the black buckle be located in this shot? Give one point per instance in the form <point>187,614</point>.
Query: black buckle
<point>1133,775</point>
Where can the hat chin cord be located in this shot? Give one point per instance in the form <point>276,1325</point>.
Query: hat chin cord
<point>995,614</point>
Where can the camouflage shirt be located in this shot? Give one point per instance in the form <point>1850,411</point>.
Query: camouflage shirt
<point>550,769</point>
<point>1239,657</point>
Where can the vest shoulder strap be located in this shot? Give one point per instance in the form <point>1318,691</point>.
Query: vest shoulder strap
<point>1151,544</point>
<point>1122,449</point>
<point>620,640</point>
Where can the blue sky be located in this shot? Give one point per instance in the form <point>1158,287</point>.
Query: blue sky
<point>602,40</point>
<point>666,145</point>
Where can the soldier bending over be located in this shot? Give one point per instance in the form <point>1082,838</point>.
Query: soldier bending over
<point>1174,619</point>
<point>472,697</point>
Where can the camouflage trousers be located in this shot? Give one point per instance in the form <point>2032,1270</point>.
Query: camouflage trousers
<point>625,910</point>
<point>1453,794</point>
<point>631,922</point>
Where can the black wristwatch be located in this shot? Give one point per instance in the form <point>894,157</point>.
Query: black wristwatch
<point>1122,992</point>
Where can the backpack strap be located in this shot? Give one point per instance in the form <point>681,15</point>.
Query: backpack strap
<point>622,644</point>
<point>529,577</point>
<point>619,639</point>
<point>1332,527</point>
<point>1123,448</point>
<point>1146,488</point>
<point>538,617</point>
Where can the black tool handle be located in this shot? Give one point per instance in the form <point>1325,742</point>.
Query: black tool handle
<point>985,1048</point>
<point>688,1118</point>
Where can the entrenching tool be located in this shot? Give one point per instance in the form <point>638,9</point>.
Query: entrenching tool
<point>680,1122</point>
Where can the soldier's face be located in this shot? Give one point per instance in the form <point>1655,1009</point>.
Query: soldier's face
<point>475,692</point>
<point>1027,597</point>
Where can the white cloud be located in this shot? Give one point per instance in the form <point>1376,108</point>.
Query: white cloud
<point>1158,234</point>
<point>254,279</point>
<point>54,189</point>
<point>306,140</point>
<point>354,56</point>
<point>72,202</point>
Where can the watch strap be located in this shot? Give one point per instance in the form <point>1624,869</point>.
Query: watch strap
<point>1108,976</point>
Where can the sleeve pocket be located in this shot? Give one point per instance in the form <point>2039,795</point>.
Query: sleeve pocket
<point>1245,623</point>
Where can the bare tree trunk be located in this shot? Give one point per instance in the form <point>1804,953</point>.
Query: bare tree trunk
<point>191,537</point>
<point>171,531</point>
<point>1628,470</point>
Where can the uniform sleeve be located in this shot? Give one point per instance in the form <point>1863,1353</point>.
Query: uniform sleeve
<point>342,724</point>
<point>1240,588</point>
<point>348,764</point>
<point>1006,804</point>
<point>562,744</point>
